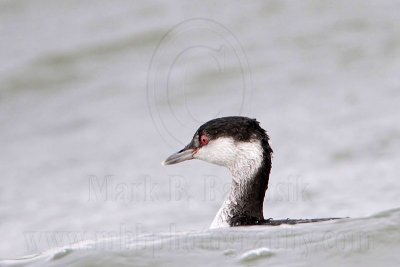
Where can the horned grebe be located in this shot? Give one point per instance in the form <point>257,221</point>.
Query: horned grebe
<point>241,145</point>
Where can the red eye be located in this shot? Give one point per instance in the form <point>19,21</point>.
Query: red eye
<point>204,140</point>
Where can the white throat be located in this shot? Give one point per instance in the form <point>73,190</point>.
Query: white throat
<point>243,159</point>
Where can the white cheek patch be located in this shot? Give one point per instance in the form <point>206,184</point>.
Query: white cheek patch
<point>243,159</point>
<point>220,151</point>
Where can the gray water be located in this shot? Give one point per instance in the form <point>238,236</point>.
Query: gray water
<point>95,94</point>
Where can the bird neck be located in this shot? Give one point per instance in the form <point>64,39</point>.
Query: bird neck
<point>244,203</point>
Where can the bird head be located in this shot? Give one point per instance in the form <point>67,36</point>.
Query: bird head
<point>238,143</point>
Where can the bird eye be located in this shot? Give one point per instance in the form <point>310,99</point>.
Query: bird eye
<point>204,140</point>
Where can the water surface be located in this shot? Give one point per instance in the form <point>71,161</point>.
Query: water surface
<point>95,94</point>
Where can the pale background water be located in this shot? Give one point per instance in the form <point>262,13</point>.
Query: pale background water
<point>95,94</point>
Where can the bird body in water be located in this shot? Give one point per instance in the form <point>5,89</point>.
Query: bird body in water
<point>241,145</point>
